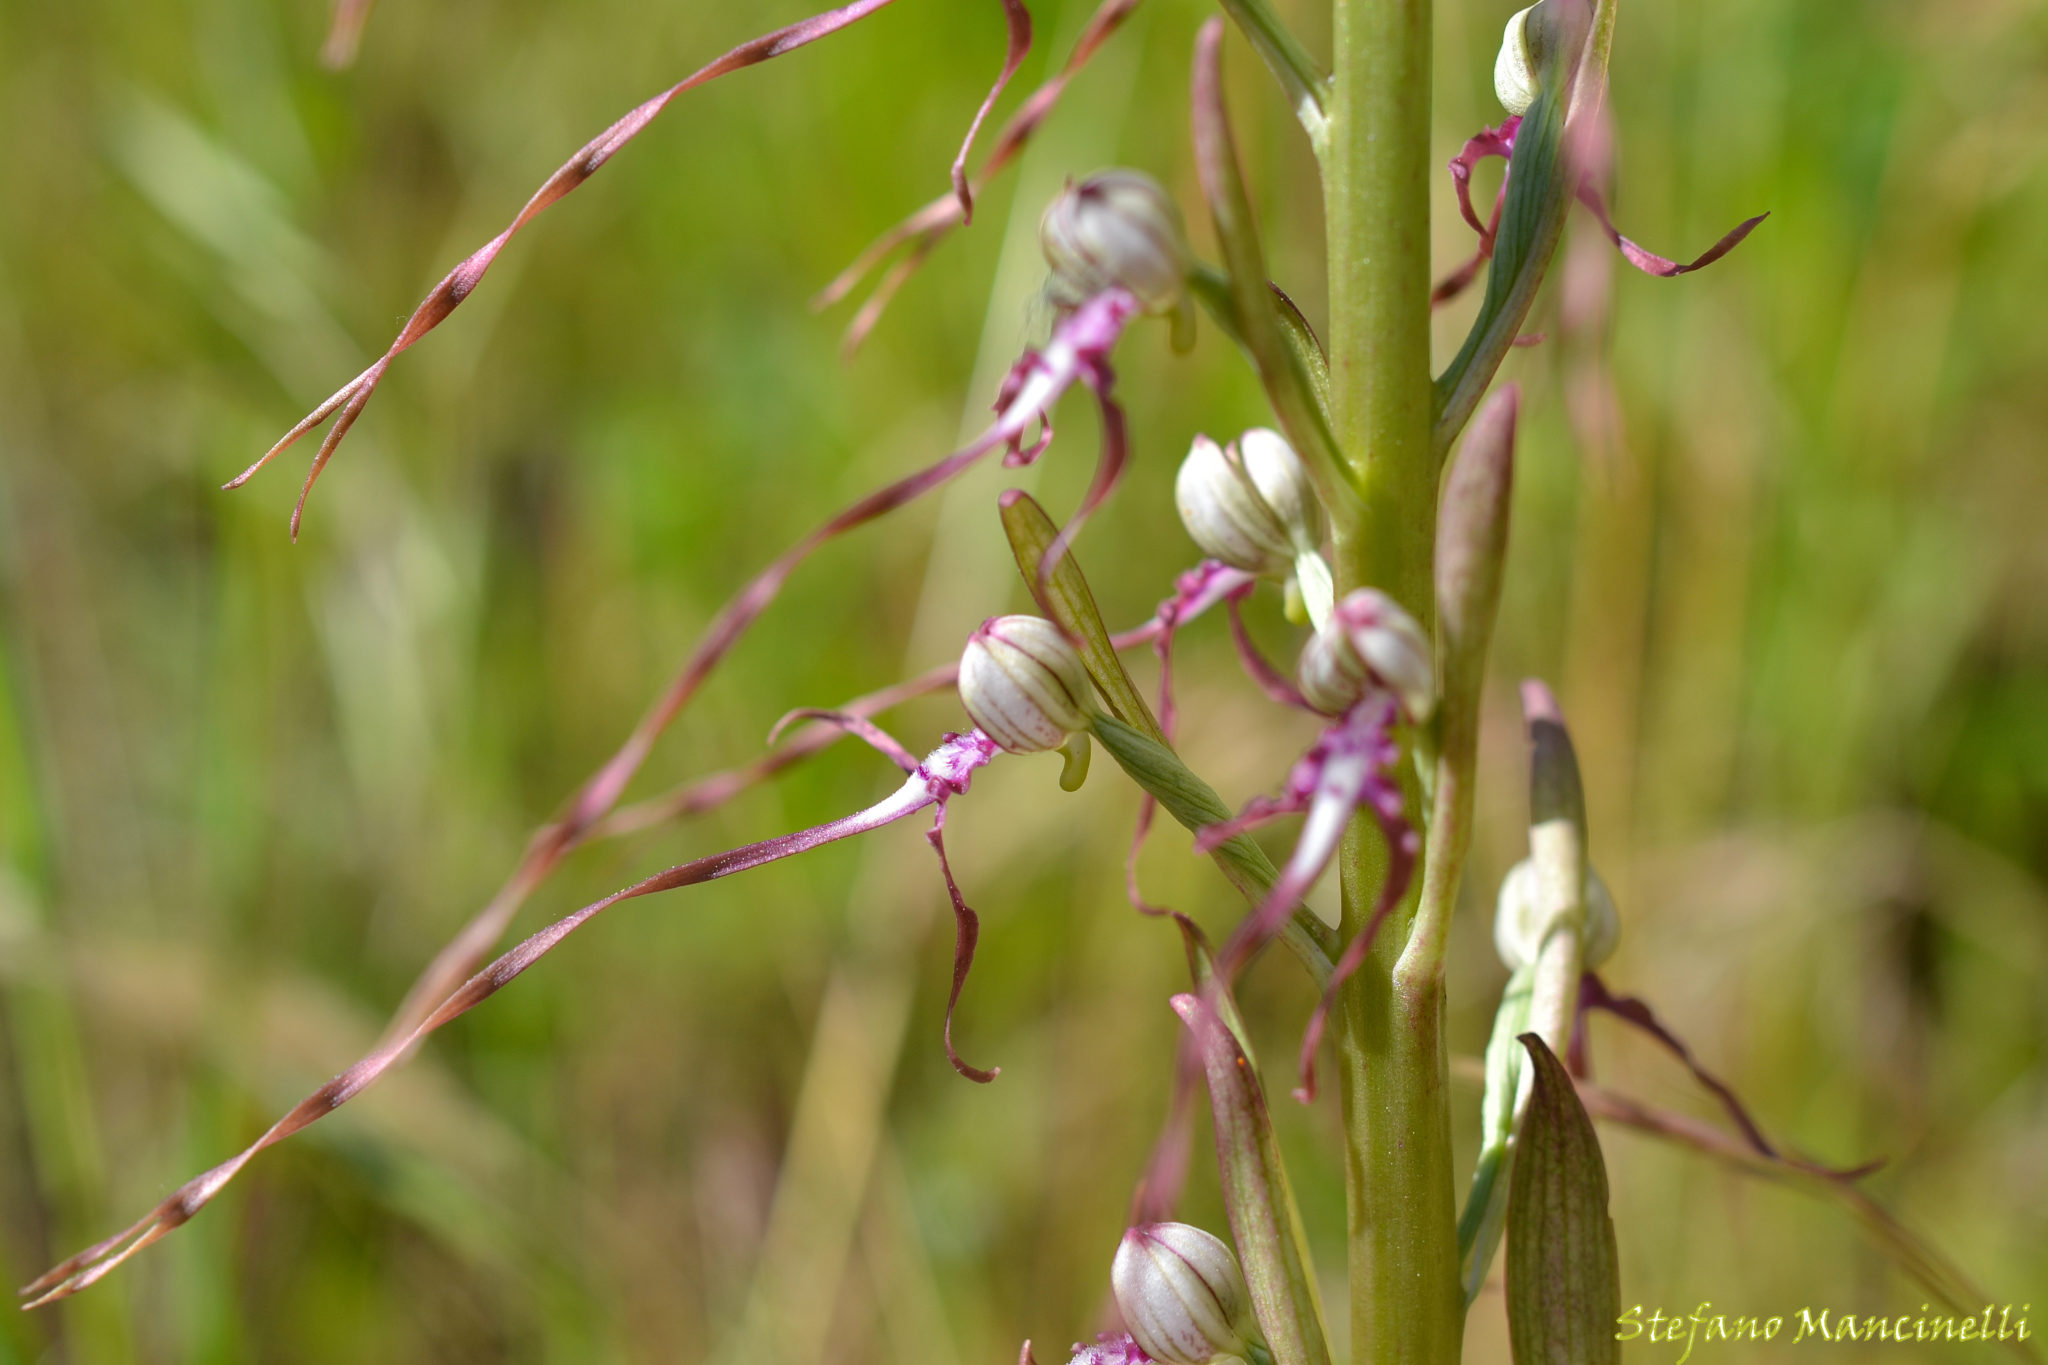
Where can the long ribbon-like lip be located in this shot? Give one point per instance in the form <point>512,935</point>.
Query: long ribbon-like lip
<point>944,773</point>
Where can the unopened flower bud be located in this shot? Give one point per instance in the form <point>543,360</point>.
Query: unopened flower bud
<point>1514,70</point>
<point>1182,1295</point>
<point>1117,228</point>
<point>1368,642</point>
<point>1023,684</point>
<point>1521,919</point>
<point>1251,506</point>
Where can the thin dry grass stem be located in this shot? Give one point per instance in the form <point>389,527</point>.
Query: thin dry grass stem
<point>348,402</point>
<point>926,228</point>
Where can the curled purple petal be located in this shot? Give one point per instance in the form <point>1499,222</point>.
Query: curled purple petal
<point>1158,1192</point>
<point>966,934</point>
<point>1594,995</point>
<point>1649,262</point>
<point>1109,470</point>
<point>1194,592</point>
<point>926,228</point>
<point>1487,142</point>
<point>1147,808</point>
<point>458,283</point>
<point>1270,680</point>
<point>1260,810</point>
<point>1019,21</point>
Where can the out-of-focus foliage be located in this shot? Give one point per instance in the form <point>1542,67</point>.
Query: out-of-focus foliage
<point>1782,558</point>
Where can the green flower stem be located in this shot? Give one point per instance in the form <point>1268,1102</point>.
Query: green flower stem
<point>1406,1305</point>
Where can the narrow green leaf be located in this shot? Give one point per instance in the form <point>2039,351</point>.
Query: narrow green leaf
<point>1211,287</point>
<point>1202,971</point>
<point>1195,804</point>
<point>1065,597</point>
<point>1131,733</point>
<point>1264,1221</point>
<point>1564,1291</point>
<point>1306,83</point>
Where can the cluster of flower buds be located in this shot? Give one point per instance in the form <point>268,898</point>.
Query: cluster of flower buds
<point>1369,643</point>
<point>1183,1297</point>
<point>1522,919</point>
<point>1252,505</point>
<point>1024,686</point>
<point>1117,229</point>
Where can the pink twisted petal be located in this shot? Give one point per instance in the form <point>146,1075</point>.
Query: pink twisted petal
<point>455,286</point>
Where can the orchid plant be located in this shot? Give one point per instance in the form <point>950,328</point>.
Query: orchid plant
<point>1375,494</point>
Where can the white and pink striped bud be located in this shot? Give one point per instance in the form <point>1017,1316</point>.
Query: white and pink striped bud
<point>1251,506</point>
<point>1023,685</point>
<point>1182,1295</point>
<point>1116,229</point>
<point>1369,642</point>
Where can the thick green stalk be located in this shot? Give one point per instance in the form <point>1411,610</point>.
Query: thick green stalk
<point>1405,1300</point>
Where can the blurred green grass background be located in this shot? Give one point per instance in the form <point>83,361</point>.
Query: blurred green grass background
<point>1783,556</point>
